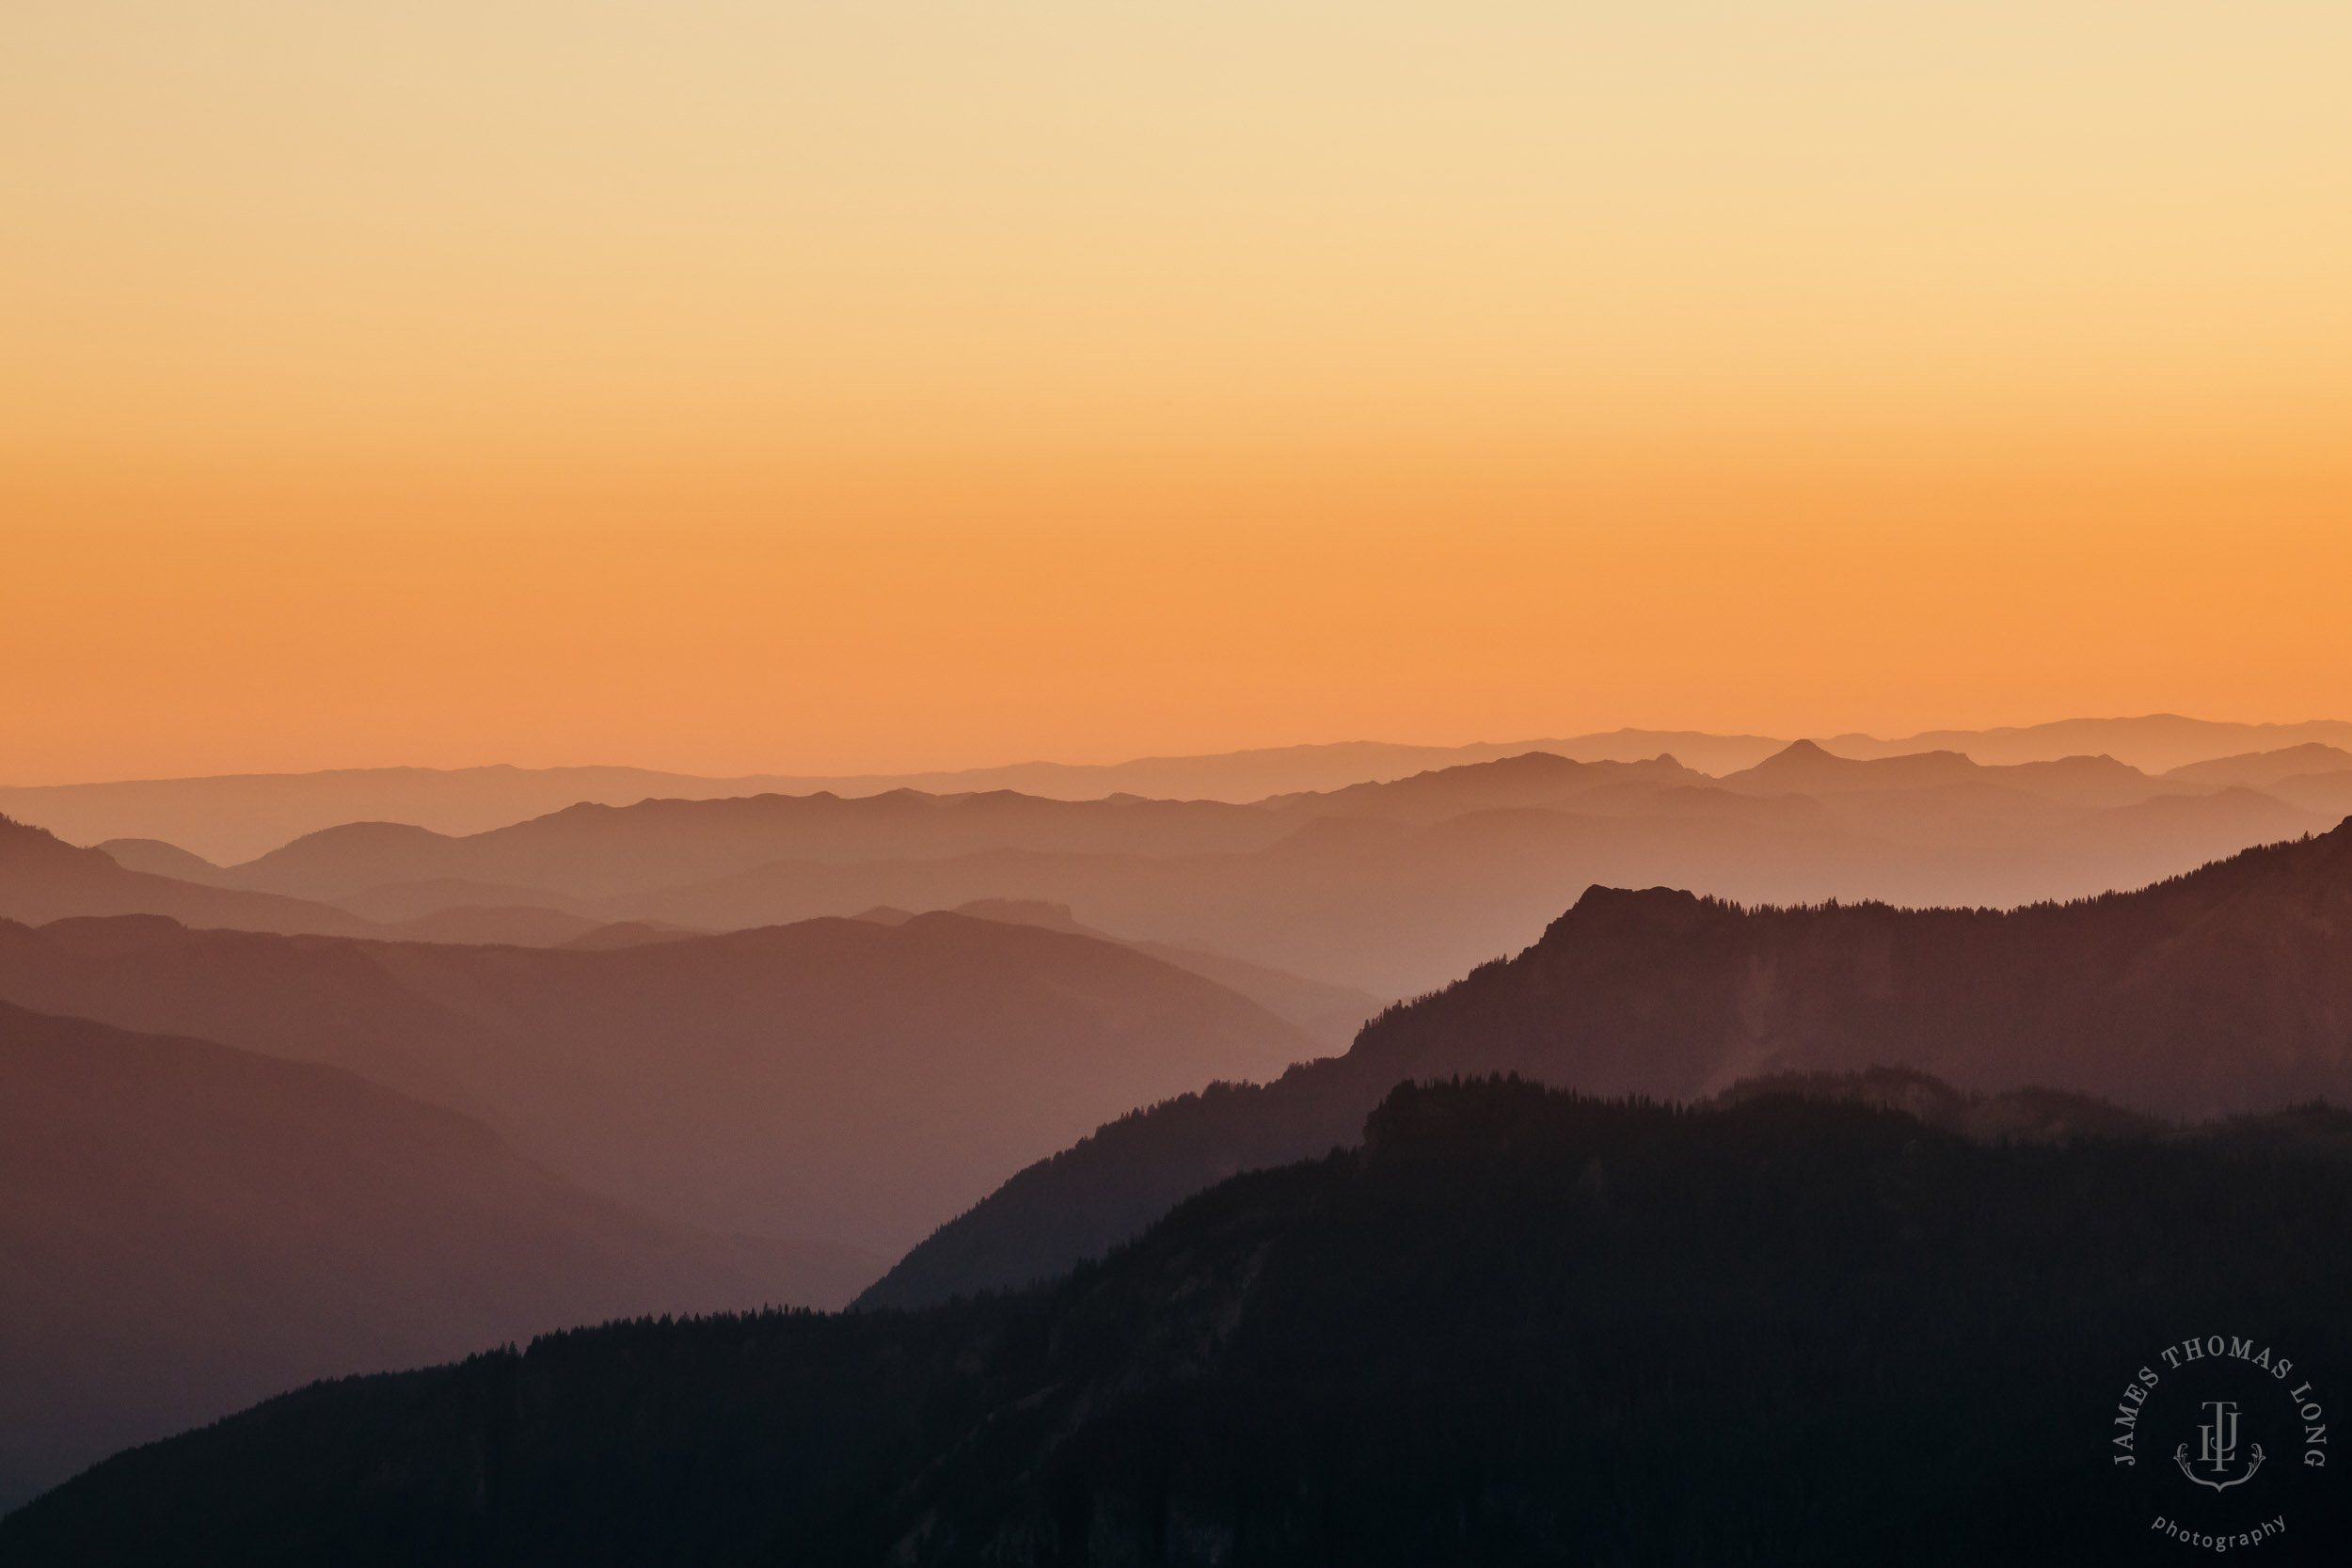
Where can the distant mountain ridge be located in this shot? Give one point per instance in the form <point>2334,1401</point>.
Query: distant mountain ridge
<point>589,851</point>
<point>2227,989</point>
<point>2155,742</point>
<point>235,817</point>
<point>1384,888</point>
<point>42,880</point>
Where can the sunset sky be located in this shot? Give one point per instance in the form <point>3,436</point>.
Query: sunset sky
<point>834,387</point>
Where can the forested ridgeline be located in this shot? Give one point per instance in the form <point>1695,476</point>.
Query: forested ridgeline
<point>2222,992</point>
<point>1513,1325</point>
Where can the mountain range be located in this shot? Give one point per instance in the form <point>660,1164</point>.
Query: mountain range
<point>42,879</point>
<point>621,1058</point>
<point>1389,889</point>
<point>236,817</point>
<point>2228,990</point>
<point>2156,742</point>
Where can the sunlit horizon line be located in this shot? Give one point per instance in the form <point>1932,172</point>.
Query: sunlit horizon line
<point>1821,736</point>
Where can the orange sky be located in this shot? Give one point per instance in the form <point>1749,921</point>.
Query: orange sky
<point>836,387</point>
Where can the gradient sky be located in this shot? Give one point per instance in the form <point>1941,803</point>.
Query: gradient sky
<point>825,387</point>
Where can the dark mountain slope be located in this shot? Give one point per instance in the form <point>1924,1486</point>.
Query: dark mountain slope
<point>1517,1328</point>
<point>1114,1183</point>
<point>2228,990</point>
<point>1111,1184</point>
<point>835,1079</point>
<point>185,1229</point>
<point>42,879</point>
<point>2030,1116</point>
<point>2224,990</point>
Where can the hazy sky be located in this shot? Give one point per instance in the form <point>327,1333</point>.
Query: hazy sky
<point>826,386</point>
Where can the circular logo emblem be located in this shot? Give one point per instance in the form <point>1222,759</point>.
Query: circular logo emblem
<point>2222,1445</point>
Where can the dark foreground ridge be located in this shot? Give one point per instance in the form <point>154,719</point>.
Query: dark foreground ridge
<point>2226,990</point>
<point>1513,1326</point>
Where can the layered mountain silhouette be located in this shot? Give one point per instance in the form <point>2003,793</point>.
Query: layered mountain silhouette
<point>835,1079</point>
<point>2310,777</point>
<point>1387,888</point>
<point>235,817</point>
<point>590,851</point>
<point>42,879</point>
<point>187,1228</point>
<point>2155,743</point>
<point>587,850</point>
<point>1513,1326</point>
<point>407,908</point>
<point>2229,990</point>
<point>1398,907</point>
